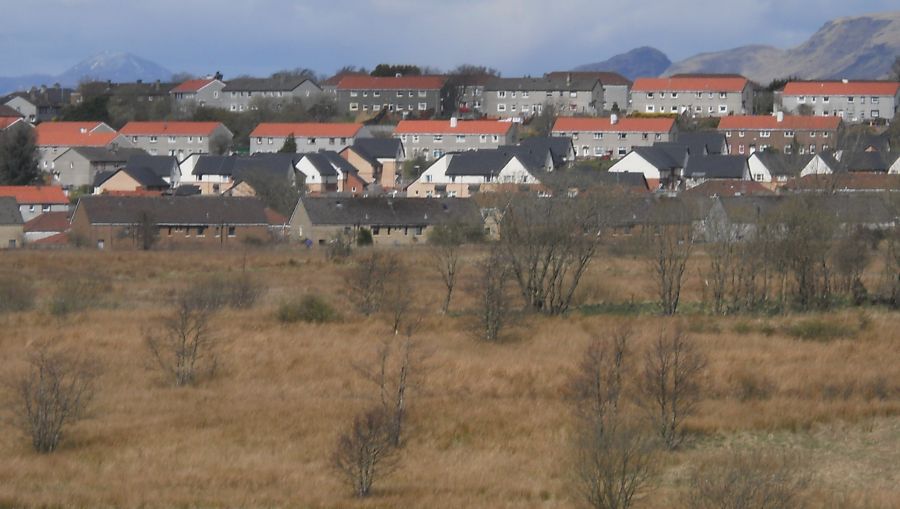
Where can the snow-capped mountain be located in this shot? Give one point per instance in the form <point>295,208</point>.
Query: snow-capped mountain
<point>113,66</point>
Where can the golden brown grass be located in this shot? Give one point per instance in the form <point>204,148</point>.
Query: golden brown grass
<point>488,429</point>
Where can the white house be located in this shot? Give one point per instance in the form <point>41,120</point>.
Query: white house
<point>463,174</point>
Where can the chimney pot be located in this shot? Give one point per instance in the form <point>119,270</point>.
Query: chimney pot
<point>454,122</point>
<point>613,119</point>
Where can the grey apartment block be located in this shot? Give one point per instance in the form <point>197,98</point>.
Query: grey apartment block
<point>524,97</point>
<point>616,88</point>
<point>852,101</point>
<point>361,98</point>
<point>165,143</point>
<point>715,97</point>
<point>433,145</point>
<point>239,94</point>
<point>199,93</point>
<point>77,166</point>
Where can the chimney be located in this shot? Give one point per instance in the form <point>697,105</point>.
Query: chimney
<point>613,119</point>
<point>845,81</point>
<point>454,122</point>
<point>569,79</point>
<point>779,116</point>
<point>398,75</point>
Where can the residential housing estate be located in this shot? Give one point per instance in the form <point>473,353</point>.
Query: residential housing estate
<point>701,96</point>
<point>853,101</point>
<point>780,132</point>
<point>432,139</point>
<point>613,137</point>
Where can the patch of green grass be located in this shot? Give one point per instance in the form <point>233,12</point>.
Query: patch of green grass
<point>818,329</point>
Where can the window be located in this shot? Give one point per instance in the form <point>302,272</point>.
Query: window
<point>438,138</point>
<point>674,109</point>
<point>622,136</point>
<point>134,139</point>
<point>826,99</point>
<point>674,95</point>
<point>850,99</point>
<point>437,154</point>
<point>662,95</point>
<point>765,134</point>
<point>190,139</point>
<point>410,94</point>
<point>270,141</point>
<point>232,231</point>
<point>495,138</point>
<point>376,93</point>
<point>403,138</point>
<point>658,137</point>
<point>875,114</point>
<point>709,109</point>
<point>741,134</point>
<point>501,93</point>
<point>598,136</point>
<point>399,94</point>
<point>645,136</point>
<point>801,99</point>
<point>622,151</point>
<point>723,108</point>
<point>310,141</point>
<point>365,93</point>
<point>201,231</point>
<point>649,95</point>
<point>524,94</point>
<point>483,138</point>
<point>812,134</point>
<point>699,95</point>
<point>354,106</point>
<point>354,93</point>
<point>650,108</point>
<point>812,148</point>
<point>573,94</point>
<point>813,99</point>
<point>873,100</point>
<point>862,100</point>
<point>512,108</point>
<point>460,138</point>
<point>598,151</point>
<point>376,107</point>
<point>741,148</point>
<point>423,106</point>
<point>415,138</point>
<point>153,139</point>
<point>723,95</point>
<point>789,134</point>
<point>331,141</point>
<point>501,107</point>
<point>824,134</point>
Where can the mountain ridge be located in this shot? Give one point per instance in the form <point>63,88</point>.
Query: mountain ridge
<point>112,66</point>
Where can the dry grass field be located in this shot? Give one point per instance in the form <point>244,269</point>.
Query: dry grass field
<point>488,425</point>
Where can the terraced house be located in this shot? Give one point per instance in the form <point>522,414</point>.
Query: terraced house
<point>789,134</point>
<point>616,88</point>
<point>238,94</point>
<point>362,96</point>
<point>520,98</point>
<point>434,138</point>
<point>309,136</point>
<point>853,101</point>
<point>179,139</point>
<point>701,96</point>
<point>199,92</point>
<point>613,137</point>
<point>54,138</point>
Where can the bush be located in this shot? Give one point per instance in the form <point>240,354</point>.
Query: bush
<point>16,294</point>
<point>364,237</point>
<point>310,309</point>
<point>236,292</point>
<point>78,293</point>
<point>815,329</point>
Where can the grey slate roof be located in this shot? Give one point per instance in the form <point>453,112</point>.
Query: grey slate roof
<point>605,77</point>
<point>263,84</point>
<point>372,149</point>
<point>161,166</point>
<point>542,84</point>
<point>384,211</point>
<point>731,167</point>
<point>214,165</point>
<point>104,155</point>
<point>326,163</point>
<point>197,210</point>
<point>703,143</point>
<point>879,162</point>
<point>664,156</point>
<point>483,163</point>
<point>9,211</point>
<point>780,164</point>
<point>272,165</point>
<point>560,147</point>
<point>146,177</point>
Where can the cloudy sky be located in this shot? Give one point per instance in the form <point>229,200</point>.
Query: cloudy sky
<point>515,36</point>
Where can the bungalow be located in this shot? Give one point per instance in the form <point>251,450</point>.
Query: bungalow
<point>828,163</point>
<point>700,169</point>
<point>309,136</point>
<point>776,168</point>
<point>36,200</point>
<point>377,160</point>
<point>54,138</point>
<point>78,166</point>
<point>699,96</point>
<point>131,180</point>
<point>47,225</point>
<point>328,172</point>
<point>216,174</point>
<point>783,133</point>
<point>10,223</point>
<point>117,222</point>
<point>432,139</point>
<point>240,92</point>
<point>661,165</point>
<point>853,101</point>
<point>362,95</point>
<point>613,137</point>
<point>561,148</point>
<point>465,173</point>
<point>391,221</point>
<point>178,139</point>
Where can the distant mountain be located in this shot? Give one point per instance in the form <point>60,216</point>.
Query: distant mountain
<point>854,48</point>
<point>644,61</point>
<point>118,67</point>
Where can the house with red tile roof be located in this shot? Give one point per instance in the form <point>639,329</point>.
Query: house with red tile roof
<point>613,137</point>
<point>54,138</point>
<point>853,101</point>
<point>362,96</point>
<point>309,136</point>
<point>198,92</point>
<point>746,134</point>
<point>434,138</point>
<point>9,116</point>
<point>177,138</point>
<point>698,95</point>
<point>36,200</point>
<point>46,225</point>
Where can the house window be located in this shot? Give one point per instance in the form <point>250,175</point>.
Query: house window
<point>722,95</point>
<point>501,107</point>
<point>650,108</point>
<point>415,138</point>
<point>658,136</point>
<point>423,106</point>
<point>824,134</point>
<point>728,134</point>
<point>354,106</point>
<point>598,136</point>
<point>873,100</point>
<point>436,153</point>
<point>598,151</point>
<point>495,138</point>
<point>201,231</point>
<point>741,134</point>
<point>376,107</point>
<point>354,93</point>
<point>723,108</point>
<point>622,136</point>
<point>403,138</point>
<point>826,99</point>
<point>875,114</point>
<point>482,138</point>
<point>134,139</point>
<point>662,95</point>
<point>765,134</point>
<point>232,231</point>
<point>789,134</point>
<point>437,138</point>
<point>171,139</point>
<point>674,95</point>
<point>649,95</point>
<point>460,138</point>
<point>741,148</point>
<point>376,93</point>
<point>153,139</point>
<point>622,151</point>
<point>812,134</point>
<point>501,93</point>
<point>270,141</point>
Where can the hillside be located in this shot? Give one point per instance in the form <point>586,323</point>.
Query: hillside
<point>117,67</point>
<point>853,47</point>
<point>644,61</point>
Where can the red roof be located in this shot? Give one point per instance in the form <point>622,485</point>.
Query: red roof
<point>694,84</point>
<point>35,194</point>
<point>275,218</point>
<point>840,88</point>
<point>462,127</point>
<point>60,239</point>
<point>49,222</point>
<point>771,123</point>
<point>729,188</point>
<point>389,83</point>
<point>193,85</point>
<point>167,128</point>
<point>8,121</point>
<point>846,182</point>
<point>307,129</point>
<point>601,124</point>
<point>73,134</point>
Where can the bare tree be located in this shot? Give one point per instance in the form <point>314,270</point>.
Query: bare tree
<point>398,300</point>
<point>184,348</point>
<point>746,480</point>
<point>807,228</point>
<point>368,279</point>
<point>549,243</point>
<point>613,464</point>
<point>447,241</point>
<point>669,248</point>
<point>492,305</point>
<point>54,393</point>
<point>365,452</point>
<point>670,384</point>
<point>396,373</point>
<point>722,251</point>
<point>596,387</point>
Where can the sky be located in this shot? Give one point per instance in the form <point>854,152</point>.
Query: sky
<point>518,37</point>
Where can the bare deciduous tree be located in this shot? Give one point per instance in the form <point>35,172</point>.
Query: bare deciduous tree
<point>747,480</point>
<point>184,348</point>
<point>670,384</point>
<point>492,305</point>
<point>398,300</point>
<point>803,248</point>
<point>596,387</point>
<point>549,243</point>
<point>613,464</point>
<point>368,280</point>
<point>447,241</point>
<point>54,392</point>
<point>365,452</point>
<point>669,248</point>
